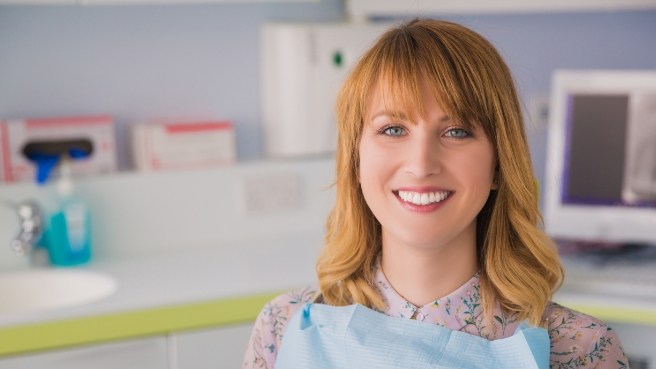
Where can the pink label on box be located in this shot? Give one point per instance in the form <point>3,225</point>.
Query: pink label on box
<point>72,121</point>
<point>197,127</point>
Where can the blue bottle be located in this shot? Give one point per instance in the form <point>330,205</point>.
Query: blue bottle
<point>68,235</point>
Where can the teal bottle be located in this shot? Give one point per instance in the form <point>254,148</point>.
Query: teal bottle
<point>68,235</point>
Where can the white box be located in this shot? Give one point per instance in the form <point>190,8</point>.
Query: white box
<point>16,133</point>
<point>303,67</point>
<point>183,144</point>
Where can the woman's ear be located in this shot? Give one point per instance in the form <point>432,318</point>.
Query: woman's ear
<point>495,179</point>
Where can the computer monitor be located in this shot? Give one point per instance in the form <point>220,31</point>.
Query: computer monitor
<point>600,183</point>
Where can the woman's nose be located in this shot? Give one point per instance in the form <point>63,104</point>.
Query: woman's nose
<point>423,157</point>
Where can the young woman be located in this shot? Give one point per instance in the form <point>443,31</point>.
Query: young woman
<point>433,255</point>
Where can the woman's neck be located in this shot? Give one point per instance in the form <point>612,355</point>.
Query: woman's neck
<point>422,275</point>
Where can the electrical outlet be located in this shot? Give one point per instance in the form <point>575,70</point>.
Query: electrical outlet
<point>269,193</point>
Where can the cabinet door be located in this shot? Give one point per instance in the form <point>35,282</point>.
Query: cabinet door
<point>212,348</point>
<point>138,354</point>
<point>38,2</point>
<point>638,342</point>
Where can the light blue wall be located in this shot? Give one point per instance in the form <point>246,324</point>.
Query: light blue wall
<point>135,62</point>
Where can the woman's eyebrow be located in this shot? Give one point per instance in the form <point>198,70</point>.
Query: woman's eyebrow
<point>403,116</point>
<point>390,114</point>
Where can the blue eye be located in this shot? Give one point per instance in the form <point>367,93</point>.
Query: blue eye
<point>393,131</point>
<point>457,133</point>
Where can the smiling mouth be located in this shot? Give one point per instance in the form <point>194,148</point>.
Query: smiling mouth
<point>423,198</point>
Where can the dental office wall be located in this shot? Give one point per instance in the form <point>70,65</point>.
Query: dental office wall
<point>144,61</point>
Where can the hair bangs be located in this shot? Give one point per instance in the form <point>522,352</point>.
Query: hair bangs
<point>398,78</point>
<point>407,58</point>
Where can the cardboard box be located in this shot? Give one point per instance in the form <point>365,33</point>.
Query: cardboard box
<point>15,134</point>
<point>183,144</point>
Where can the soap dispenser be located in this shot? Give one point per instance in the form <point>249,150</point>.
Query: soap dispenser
<point>68,234</point>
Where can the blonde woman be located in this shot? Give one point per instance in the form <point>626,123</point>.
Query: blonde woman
<point>433,256</point>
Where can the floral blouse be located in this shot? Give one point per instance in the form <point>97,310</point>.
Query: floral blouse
<point>577,340</point>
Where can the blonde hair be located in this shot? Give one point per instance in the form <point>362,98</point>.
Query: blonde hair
<point>519,265</point>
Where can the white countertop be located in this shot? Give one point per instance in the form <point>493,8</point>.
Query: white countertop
<point>240,269</point>
<point>620,291</point>
<point>227,284</point>
<point>194,275</point>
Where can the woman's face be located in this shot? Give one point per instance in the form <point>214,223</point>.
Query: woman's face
<point>424,178</point>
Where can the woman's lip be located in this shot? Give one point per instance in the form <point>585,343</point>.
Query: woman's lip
<point>421,189</point>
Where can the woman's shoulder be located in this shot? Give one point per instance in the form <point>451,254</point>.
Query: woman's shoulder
<point>579,340</point>
<point>270,327</point>
<point>277,312</point>
<point>289,302</point>
<point>563,320</point>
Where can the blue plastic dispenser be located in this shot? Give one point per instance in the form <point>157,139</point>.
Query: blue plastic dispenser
<point>67,236</point>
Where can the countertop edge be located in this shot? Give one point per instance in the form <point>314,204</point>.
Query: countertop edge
<point>61,334</point>
<point>29,338</point>
<point>609,313</point>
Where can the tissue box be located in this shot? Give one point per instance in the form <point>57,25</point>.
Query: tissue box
<point>183,145</point>
<point>16,133</point>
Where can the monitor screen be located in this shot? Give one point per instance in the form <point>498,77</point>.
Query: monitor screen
<point>601,158</point>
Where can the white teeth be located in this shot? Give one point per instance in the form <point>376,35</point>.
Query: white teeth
<point>424,198</point>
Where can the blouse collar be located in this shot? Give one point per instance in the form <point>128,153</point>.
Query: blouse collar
<point>456,310</point>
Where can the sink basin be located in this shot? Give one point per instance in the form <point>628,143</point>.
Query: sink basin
<point>42,289</point>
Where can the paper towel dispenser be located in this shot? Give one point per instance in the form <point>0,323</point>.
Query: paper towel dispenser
<point>303,66</point>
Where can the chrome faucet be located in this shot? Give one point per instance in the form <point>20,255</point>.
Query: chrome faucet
<point>30,217</point>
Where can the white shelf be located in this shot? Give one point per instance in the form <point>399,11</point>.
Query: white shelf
<point>367,8</point>
<point>141,2</point>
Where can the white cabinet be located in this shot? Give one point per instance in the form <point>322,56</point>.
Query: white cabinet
<point>211,348</point>
<point>638,342</point>
<point>38,2</point>
<point>221,347</point>
<point>148,353</point>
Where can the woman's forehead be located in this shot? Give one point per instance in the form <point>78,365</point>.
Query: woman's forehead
<point>407,100</point>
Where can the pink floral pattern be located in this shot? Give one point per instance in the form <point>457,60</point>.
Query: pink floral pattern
<point>577,340</point>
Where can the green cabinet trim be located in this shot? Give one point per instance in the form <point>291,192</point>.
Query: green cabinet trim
<point>616,314</point>
<point>94,329</point>
<point>28,338</point>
